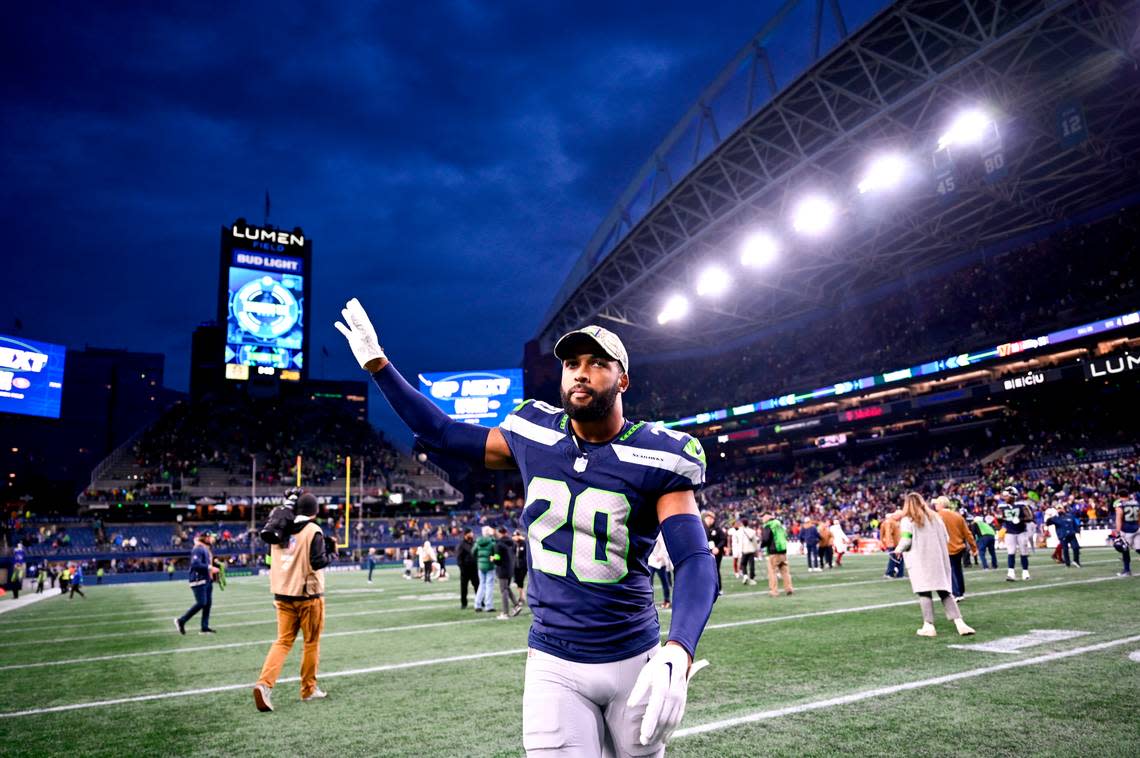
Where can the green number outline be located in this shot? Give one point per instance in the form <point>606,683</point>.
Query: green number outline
<point>593,537</point>
<point>538,551</point>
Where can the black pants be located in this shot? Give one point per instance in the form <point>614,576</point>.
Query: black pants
<point>825,555</point>
<point>427,570</point>
<point>467,575</point>
<point>957,578</point>
<point>748,565</point>
<point>1070,542</point>
<point>986,547</point>
<point>76,588</point>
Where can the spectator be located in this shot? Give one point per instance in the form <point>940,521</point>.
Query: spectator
<point>468,567</point>
<point>923,541</point>
<point>484,550</point>
<point>809,538</point>
<point>774,540</point>
<point>959,537</point>
<point>503,558</point>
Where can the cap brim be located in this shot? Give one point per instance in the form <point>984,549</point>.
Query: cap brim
<point>579,343</point>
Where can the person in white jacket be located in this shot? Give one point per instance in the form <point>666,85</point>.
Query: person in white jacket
<point>660,565</point>
<point>427,559</point>
<point>840,541</point>
<point>734,546</point>
<point>923,542</point>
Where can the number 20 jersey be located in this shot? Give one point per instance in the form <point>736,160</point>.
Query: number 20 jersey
<point>590,529</point>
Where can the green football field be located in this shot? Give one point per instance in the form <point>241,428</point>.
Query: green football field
<point>834,670</point>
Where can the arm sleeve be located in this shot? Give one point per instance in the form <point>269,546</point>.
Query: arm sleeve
<point>696,582</point>
<point>906,534</point>
<point>318,556</point>
<point>437,430</point>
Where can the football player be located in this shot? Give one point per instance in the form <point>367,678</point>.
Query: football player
<point>1127,528</point>
<point>599,488</point>
<point>1016,515</point>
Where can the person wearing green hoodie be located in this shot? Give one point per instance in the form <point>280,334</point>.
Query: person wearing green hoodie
<point>484,549</point>
<point>774,540</point>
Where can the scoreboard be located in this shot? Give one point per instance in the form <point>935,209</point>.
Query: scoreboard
<point>264,287</point>
<point>475,397</point>
<point>31,376</point>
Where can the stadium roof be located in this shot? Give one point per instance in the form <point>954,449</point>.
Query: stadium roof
<point>1057,78</point>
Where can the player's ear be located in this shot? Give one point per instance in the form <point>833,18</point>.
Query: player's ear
<point>623,382</point>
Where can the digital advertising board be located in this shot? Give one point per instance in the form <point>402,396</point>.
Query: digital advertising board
<point>264,289</point>
<point>31,376</point>
<point>475,397</point>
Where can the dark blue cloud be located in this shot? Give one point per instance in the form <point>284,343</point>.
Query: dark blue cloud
<point>449,160</point>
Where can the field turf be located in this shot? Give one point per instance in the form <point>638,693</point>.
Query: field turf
<point>835,669</point>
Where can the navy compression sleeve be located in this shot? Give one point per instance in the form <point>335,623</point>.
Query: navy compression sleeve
<point>429,423</point>
<point>695,584</point>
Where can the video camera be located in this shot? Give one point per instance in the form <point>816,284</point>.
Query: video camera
<point>279,526</point>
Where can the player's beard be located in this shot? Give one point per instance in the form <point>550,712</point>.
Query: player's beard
<point>600,405</point>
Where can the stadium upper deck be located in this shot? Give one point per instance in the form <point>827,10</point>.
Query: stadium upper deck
<point>938,128</point>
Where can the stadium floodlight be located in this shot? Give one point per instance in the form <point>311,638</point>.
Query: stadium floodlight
<point>968,128</point>
<point>886,172</point>
<point>713,282</point>
<point>760,249</point>
<point>814,215</point>
<point>676,307</point>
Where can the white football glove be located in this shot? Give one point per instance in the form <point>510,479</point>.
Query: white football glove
<point>665,680</point>
<point>361,336</point>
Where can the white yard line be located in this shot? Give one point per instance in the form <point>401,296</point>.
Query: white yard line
<point>283,680</point>
<point>856,697</point>
<point>376,630</point>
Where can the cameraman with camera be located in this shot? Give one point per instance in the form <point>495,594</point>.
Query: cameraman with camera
<point>300,553</point>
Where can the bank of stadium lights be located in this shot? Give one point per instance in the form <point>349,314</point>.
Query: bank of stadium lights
<point>676,307</point>
<point>813,215</point>
<point>713,281</point>
<point>968,128</point>
<point>886,172</point>
<point>759,249</point>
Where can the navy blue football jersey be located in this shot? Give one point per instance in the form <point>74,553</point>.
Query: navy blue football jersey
<point>1016,516</point>
<point>1131,513</point>
<point>591,521</point>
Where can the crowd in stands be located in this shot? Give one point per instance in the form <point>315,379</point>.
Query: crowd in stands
<point>224,435</point>
<point>1076,276</point>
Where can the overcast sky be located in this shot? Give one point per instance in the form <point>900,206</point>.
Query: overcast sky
<point>449,160</point>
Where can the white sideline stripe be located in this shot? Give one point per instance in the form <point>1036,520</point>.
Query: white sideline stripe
<point>376,630</point>
<point>164,620</point>
<point>230,687</point>
<point>263,622</point>
<point>159,611</point>
<point>15,605</point>
<point>227,645</point>
<point>899,603</point>
<point>856,697</point>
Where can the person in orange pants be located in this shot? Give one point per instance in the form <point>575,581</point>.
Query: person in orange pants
<point>297,580</point>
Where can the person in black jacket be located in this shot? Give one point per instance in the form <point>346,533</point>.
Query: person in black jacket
<point>468,566</point>
<point>520,565</point>
<point>718,542</point>
<point>504,560</point>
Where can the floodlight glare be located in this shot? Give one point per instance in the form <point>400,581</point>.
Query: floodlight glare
<point>885,173</point>
<point>967,129</point>
<point>760,249</point>
<point>713,281</point>
<point>675,308</point>
<point>814,215</point>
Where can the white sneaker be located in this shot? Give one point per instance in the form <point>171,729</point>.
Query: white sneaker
<point>317,694</point>
<point>502,617</point>
<point>963,629</point>
<point>927,630</point>
<point>1024,575</point>
<point>1011,576</point>
<point>261,695</point>
<point>737,574</point>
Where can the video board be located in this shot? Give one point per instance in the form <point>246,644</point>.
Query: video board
<point>475,397</point>
<point>263,293</point>
<point>31,376</point>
